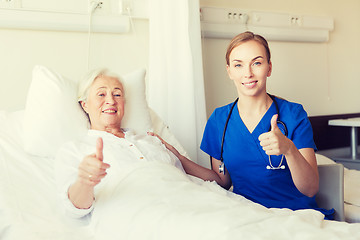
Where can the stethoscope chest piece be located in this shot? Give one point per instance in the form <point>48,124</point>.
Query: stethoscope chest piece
<point>271,167</point>
<point>222,168</point>
<point>275,168</point>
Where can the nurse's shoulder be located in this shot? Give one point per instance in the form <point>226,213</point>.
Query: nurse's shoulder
<point>291,109</point>
<point>222,112</point>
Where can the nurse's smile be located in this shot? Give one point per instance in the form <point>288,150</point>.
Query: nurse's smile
<point>250,84</point>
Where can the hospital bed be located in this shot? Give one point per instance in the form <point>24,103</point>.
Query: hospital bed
<point>157,201</point>
<point>337,180</point>
<point>332,141</point>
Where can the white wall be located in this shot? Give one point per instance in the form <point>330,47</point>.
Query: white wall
<point>324,77</point>
<point>65,52</point>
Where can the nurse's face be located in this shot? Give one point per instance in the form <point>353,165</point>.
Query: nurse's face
<point>248,68</point>
<point>105,103</point>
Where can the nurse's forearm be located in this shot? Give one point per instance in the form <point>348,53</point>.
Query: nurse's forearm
<point>303,167</point>
<point>206,174</point>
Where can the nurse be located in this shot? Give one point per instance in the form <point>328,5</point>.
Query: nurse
<point>260,162</point>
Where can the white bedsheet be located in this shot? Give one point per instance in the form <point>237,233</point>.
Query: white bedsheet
<point>151,201</point>
<point>157,201</point>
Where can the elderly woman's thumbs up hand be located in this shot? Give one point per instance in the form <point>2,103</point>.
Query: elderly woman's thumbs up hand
<point>92,168</point>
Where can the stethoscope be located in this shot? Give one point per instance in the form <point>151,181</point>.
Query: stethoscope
<point>279,122</point>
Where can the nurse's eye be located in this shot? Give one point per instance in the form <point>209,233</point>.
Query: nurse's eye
<point>257,63</point>
<point>101,94</point>
<point>238,65</point>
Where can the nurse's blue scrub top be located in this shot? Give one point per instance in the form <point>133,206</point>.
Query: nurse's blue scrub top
<point>246,161</point>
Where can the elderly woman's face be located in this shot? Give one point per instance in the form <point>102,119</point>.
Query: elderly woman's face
<point>105,103</point>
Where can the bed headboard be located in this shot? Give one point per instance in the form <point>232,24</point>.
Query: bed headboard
<point>328,137</point>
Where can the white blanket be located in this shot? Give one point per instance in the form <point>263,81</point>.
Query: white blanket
<point>157,201</point>
<point>150,201</point>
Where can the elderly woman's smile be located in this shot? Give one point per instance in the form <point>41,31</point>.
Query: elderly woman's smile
<point>110,111</point>
<point>105,104</point>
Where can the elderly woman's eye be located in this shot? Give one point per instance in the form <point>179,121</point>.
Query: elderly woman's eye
<point>118,94</point>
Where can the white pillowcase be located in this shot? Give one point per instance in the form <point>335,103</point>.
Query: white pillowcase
<point>53,115</point>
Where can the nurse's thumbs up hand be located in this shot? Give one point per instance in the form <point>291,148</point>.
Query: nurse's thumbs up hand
<point>274,142</point>
<point>273,122</point>
<point>92,168</point>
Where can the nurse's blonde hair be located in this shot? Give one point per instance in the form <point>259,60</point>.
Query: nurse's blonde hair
<point>244,37</point>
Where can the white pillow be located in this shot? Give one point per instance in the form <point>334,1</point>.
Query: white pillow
<point>53,115</point>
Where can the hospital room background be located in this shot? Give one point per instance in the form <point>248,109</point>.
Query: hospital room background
<point>323,76</point>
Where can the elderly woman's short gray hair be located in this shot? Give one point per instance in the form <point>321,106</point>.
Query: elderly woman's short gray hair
<point>86,82</point>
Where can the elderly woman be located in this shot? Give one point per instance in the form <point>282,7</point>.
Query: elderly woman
<point>85,166</point>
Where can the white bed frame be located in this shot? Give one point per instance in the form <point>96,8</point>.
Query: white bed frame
<point>331,189</point>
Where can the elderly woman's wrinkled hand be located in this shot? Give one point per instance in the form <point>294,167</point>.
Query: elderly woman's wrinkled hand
<point>92,168</point>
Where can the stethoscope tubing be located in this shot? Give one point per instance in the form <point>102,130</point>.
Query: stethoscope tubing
<point>221,167</point>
